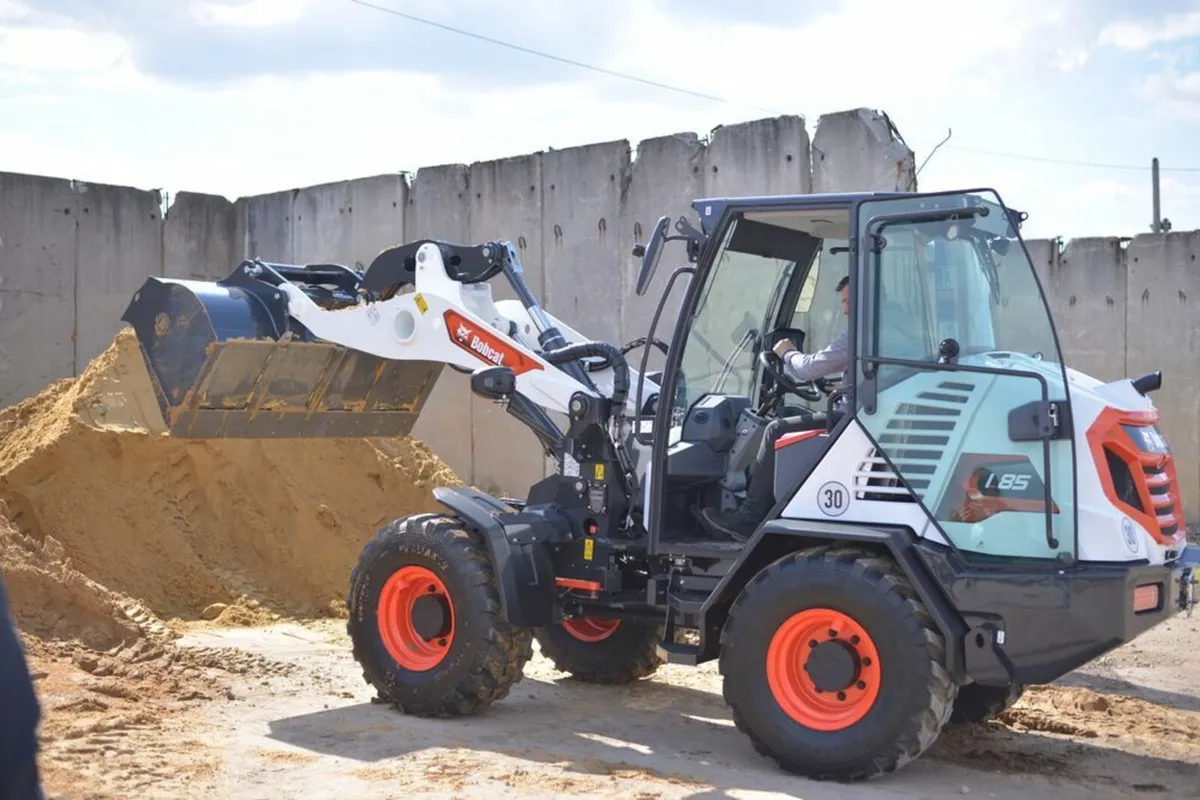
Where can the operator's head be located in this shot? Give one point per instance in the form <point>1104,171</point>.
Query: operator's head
<point>843,288</point>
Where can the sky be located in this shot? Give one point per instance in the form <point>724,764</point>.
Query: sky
<point>1058,104</point>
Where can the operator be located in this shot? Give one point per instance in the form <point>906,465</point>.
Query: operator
<point>19,716</point>
<point>760,494</point>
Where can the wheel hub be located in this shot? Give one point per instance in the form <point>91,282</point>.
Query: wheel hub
<point>833,666</point>
<point>431,616</point>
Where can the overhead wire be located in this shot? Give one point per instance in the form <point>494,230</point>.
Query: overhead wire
<point>716,99</point>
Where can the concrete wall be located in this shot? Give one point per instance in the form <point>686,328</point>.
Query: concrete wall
<point>72,254</point>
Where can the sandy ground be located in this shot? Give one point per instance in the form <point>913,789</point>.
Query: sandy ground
<point>179,602</point>
<point>300,722</point>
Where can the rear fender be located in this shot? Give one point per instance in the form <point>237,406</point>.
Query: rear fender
<point>516,542</point>
<point>779,537</point>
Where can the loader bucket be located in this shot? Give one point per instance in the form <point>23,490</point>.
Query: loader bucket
<point>226,361</point>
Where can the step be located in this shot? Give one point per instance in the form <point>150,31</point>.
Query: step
<point>675,653</point>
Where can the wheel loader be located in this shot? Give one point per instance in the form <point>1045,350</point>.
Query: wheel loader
<point>965,516</point>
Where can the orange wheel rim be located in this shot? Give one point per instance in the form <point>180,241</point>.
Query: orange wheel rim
<point>416,618</point>
<point>823,669</point>
<point>591,629</point>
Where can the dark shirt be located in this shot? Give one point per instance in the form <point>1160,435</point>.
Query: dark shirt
<point>19,712</point>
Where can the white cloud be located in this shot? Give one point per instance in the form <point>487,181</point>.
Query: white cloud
<point>1140,34</point>
<point>1175,93</point>
<point>249,14</point>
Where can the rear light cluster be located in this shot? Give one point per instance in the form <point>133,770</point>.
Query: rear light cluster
<point>1147,597</point>
<point>1137,471</point>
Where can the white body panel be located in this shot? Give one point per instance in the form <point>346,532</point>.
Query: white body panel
<point>414,327</point>
<point>1105,533</point>
<point>845,468</point>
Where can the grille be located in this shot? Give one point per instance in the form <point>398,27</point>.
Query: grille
<point>915,439</point>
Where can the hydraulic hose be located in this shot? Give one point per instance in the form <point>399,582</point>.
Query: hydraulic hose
<point>597,350</point>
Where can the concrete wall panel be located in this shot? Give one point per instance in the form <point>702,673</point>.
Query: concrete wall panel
<point>37,284</point>
<point>119,245</point>
<point>267,226</point>
<point>437,208</point>
<point>505,199</point>
<point>1086,292</point>
<point>322,230</point>
<point>857,151</point>
<point>201,237</point>
<point>1162,334</point>
<point>665,177</point>
<point>582,189</point>
<point>768,156</point>
<point>377,210</point>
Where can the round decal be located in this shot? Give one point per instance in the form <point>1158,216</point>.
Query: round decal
<point>1130,536</point>
<point>833,499</point>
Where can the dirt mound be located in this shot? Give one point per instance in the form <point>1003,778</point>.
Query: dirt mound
<point>1083,713</point>
<point>265,528</point>
<point>1106,740</point>
<point>52,600</point>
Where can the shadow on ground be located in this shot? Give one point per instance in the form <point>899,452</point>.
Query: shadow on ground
<point>685,736</point>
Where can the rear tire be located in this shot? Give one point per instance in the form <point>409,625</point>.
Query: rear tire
<point>885,693</point>
<point>426,623</point>
<point>976,703</point>
<point>599,650</point>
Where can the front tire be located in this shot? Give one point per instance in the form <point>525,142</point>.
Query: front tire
<point>833,667</point>
<point>426,623</point>
<point>605,651</point>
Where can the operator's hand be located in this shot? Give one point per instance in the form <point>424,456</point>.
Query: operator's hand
<point>783,347</point>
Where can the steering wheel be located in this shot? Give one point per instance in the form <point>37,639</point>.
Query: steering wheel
<point>772,365</point>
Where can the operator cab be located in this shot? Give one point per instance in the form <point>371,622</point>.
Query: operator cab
<point>775,276</point>
<point>956,429</point>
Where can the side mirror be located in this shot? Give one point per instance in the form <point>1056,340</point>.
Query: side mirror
<point>494,383</point>
<point>651,253</point>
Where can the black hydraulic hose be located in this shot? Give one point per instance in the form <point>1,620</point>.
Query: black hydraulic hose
<point>597,366</point>
<point>597,350</point>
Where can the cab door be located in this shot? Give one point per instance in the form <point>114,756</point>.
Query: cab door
<point>961,383</point>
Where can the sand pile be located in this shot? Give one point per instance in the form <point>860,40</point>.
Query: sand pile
<point>233,530</point>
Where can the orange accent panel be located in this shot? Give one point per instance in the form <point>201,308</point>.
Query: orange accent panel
<point>795,691</point>
<point>796,436</point>
<point>1106,432</point>
<point>576,583</point>
<point>486,345</point>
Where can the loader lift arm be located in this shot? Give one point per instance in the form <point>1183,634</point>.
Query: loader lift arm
<point>322,350</point>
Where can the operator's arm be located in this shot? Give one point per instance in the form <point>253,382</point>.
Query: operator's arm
<point>834,357</point>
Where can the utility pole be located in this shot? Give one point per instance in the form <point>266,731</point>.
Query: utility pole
<point>1156,225</point>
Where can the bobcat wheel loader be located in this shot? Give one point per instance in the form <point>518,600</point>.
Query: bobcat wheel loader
<point>966,516</point>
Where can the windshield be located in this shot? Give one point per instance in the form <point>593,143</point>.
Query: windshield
<point>741,298</point>
<point>965,280</point>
